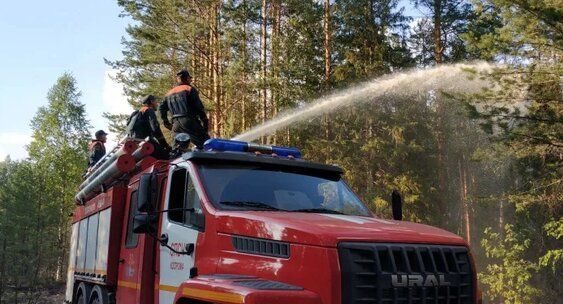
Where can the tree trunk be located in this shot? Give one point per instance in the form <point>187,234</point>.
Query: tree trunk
<point>327,41</point>
<point>214,45</point>
<point>263,60</point>
<point>219,70</point>
<point>16,290</point>
<point>37,242</point>
<point>501,218</point>
<point>501,232</point>
<point>440,109</point>
<point>327,60</point>
<point>61,240</point>
<point>464,201</point>
<point>243,74</point>
<point>3,268</point>
<point>437,33</point>
<point>275,68</point>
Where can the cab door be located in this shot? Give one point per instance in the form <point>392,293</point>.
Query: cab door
<point>135,258</point>
<point>181,228</point>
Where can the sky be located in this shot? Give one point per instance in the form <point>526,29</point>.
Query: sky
<point>43,39</point>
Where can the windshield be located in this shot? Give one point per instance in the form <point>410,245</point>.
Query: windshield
<point>248,187</point>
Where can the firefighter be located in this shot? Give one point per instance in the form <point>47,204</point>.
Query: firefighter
<point>181,145</point>
<point>143,123</point>
<point>188,113</point>
<point>97,148</point>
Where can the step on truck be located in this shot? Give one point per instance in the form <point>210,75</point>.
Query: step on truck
<point>249,224</point>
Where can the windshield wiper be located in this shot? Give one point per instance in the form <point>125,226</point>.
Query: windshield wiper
<point>318,210</point>
<point>258,205</point>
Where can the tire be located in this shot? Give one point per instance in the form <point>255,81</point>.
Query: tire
<point>96,300</point>
<point>81,299</point>
<point>82,293</point>
<point>99,295</point>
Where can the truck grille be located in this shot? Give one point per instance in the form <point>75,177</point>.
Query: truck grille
<point>405,274</point>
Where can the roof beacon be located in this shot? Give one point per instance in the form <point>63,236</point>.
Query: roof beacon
<point>217,144</point>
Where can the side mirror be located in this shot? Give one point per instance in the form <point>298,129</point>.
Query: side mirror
<point>146,193</point>
<point>397,205</point>
<point>145,223</point>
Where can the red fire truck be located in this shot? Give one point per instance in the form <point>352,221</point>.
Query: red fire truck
<point>246,223</point>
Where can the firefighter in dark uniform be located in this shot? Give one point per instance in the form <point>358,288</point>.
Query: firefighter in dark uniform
<point>181,145</point>
<point>188,113</point>
<point>143,123</point>
<point>97,148</point>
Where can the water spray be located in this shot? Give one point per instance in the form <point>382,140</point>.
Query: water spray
<point>450,78</point>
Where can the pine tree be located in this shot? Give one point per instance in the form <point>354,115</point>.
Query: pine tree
<point>365,47</point>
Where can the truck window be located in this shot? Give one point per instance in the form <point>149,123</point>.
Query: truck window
<point>177,195</point>
<point>131,239</point>
<point>256,187</point>
<point>183,196</point>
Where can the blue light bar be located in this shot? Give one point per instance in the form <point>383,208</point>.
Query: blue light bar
<point>286,151</point>
<point>217,144</point>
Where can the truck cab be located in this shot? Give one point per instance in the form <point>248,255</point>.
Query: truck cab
<point>240,223</point>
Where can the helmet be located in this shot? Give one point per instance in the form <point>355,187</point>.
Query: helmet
<point>147,100</point>
<point>183,74</point>
<point>182,140</point>
<point>99,134</point>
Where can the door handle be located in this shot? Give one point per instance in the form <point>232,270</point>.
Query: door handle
<point>163,239</point>
<point>189,248</point>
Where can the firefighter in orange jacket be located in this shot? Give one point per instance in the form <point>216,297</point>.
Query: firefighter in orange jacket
<point>97,148</point>
<point>186,108</point>
<point>143,124</point>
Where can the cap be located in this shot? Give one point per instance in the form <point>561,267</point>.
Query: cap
<point>182,139</point>
<point>147,100</point>
<point>100,133</point>
<point>183,73</point>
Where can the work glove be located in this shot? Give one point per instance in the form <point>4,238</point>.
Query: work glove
<point>168,125</point>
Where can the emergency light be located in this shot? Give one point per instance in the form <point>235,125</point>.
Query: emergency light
<point>217,144</point>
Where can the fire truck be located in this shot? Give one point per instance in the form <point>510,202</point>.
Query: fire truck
<point>239,222</point>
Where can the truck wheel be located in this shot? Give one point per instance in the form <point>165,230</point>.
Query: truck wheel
<point>81,299</point>
<point>82,293</point>
<point>99,295</point>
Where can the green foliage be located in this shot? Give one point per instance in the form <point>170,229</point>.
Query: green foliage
<point>370,39</point>
<point>59,147</point>
<point>510,276</point>
<point>553,258</point>
<point>37,194</point>
<point>523,111</point>
<point>456,18</point>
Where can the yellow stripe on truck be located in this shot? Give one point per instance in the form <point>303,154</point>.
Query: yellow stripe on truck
<point>213,295</point>
<point>168,288</point>
<point>128,284</point>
